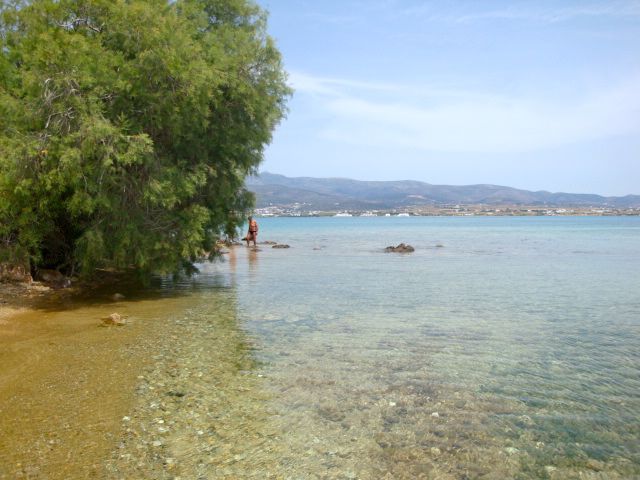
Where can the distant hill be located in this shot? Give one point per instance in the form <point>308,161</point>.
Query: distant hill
<point>343,193</point>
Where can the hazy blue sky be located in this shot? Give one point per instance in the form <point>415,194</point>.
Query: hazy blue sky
<point>542,95</point>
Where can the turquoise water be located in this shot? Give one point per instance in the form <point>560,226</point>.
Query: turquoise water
<point>502,348</point>
<point>506,346</point>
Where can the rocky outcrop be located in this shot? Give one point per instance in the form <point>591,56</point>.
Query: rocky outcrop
<point>14,273</point>
<point>281,245</point>
<point>402,248</point>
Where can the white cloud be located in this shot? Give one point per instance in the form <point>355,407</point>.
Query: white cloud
<point>436,119</point>
<point>559,14</point>
<point>536,13</point>
<point>340,87</point>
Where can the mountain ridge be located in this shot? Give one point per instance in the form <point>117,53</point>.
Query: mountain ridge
<point>345,193</point>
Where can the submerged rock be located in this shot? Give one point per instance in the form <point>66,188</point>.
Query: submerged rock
<point>281,245</point>
<point>595,465</point>
<point>268,242</point>
<point>178,394</point>
<point>114,319</point>
<point>402,248</point>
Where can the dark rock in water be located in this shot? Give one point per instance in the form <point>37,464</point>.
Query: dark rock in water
<point>176,394</point>
<point>439,245</point>
<point>281,245</point>
<point>268,242</point>
<point>53,278</point>
<point>114,319</point>
<point>402,248</point>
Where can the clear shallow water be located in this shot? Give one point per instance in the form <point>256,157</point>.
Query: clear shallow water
<point>514,349</point>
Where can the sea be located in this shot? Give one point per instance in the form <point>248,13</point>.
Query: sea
<point>505,347</point>
<point>501,348</point>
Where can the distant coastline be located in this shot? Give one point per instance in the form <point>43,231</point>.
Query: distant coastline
<point>278,195</point>
<point>450,211</point>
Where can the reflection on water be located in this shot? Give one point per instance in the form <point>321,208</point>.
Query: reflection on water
<point>507,353</point>
<point>252,256</point>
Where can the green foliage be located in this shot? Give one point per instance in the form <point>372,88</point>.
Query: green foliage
<point>127,127</point>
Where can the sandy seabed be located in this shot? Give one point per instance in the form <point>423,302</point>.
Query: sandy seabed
<point>177,393</point>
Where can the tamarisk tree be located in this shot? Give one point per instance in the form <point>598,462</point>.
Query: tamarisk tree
<point>127,128</point>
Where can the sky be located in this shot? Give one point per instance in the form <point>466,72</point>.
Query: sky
<point>540,95</point>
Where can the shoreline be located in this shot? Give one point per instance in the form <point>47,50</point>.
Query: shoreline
<point>18,298</point>
<point>461,211</point>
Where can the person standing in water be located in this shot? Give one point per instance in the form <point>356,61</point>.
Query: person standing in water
<point>252,235</point>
